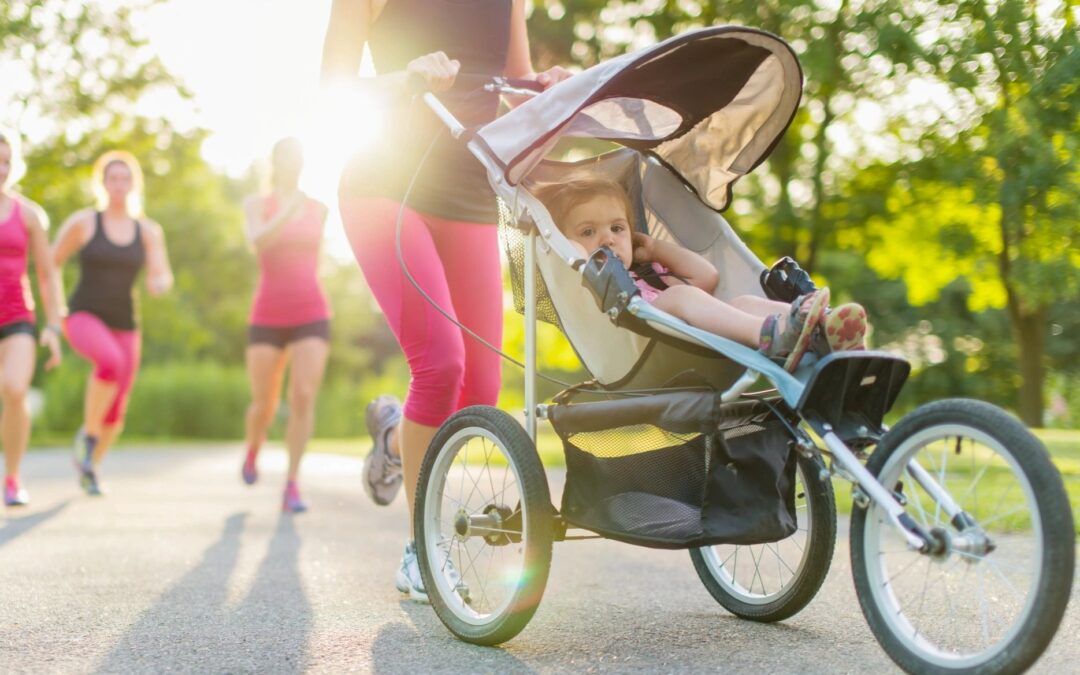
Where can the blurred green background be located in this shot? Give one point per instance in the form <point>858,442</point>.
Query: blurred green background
<point>930,174</point>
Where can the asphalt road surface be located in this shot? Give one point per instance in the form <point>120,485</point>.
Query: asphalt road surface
<point>182,568</point>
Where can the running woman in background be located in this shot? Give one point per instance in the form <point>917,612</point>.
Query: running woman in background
<point>23,235</point>
<point>114,241</point>
<point>290,318</point>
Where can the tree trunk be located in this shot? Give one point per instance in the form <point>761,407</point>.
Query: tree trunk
<point>1030,331</point>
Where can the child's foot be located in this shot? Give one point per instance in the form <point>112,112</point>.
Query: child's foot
<point>793,339</point>
<point>249,471</point>
<point>291,501</point>
<point>14,493</point>
<point>845,327</point>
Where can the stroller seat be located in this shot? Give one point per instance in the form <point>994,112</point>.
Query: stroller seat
<point>650,355</point>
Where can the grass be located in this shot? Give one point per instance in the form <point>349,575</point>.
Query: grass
<point>994,485</point>
<point>1063,446</point>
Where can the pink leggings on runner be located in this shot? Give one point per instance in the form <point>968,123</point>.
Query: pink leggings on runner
<point>457,264</point>
<point>114,353</point>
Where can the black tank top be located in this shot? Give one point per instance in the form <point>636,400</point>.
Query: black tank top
<point>107,274</point>
<point>452,184</point>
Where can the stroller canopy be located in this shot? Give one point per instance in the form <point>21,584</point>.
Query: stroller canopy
<point>710,104</point>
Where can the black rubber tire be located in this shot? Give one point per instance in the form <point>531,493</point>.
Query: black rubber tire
<point>1055,579</point>
<point>818,551</point>
<point>538,524</point>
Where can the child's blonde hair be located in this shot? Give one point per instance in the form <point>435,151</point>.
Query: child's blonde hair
<point>101,166</point>
<point>560,198</point>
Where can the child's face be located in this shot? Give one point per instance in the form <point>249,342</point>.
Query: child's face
<point>601,221</point>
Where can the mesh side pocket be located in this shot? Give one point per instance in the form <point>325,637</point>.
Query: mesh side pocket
<point>751,494</point>
<point>514,243</point>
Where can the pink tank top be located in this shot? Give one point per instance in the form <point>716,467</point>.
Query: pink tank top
<point>289,293</point>
<point>16,302</point>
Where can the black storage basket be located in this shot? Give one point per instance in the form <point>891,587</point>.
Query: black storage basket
<point>677,470</point>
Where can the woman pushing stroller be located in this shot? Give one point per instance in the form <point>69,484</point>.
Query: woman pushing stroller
<point>595,212</point>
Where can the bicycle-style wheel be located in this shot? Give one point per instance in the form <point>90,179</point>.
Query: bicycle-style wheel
<point>771,582</point>
<point>992,594</point>
<point>483,526</point>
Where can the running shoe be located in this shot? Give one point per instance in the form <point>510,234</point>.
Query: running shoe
<point>89,482</point>
<point>291,501</point>
<point>382,470</point>
<point>14,493</point>
<point>249,471</point>
<point>408,575</point>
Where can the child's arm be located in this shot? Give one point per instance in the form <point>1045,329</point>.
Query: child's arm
<point>696,270</point>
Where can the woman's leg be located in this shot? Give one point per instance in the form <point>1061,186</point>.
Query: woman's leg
<point>470,257</point>
<point>305,377</point>
<point>16,370</point>
<point>92,339</point>
<point>130,343</point>
<point>266,369</point>
<point>433,345</point>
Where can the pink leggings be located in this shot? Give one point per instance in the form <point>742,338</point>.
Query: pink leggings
<point>457,264</point>
<point>114,353</point>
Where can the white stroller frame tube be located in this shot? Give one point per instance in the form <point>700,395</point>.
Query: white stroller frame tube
<point>530,334</point>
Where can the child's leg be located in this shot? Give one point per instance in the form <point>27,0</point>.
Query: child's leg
<point>701,310</point>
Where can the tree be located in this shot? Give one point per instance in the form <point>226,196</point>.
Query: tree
<point>996,191</point>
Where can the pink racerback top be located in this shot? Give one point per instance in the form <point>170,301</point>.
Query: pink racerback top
<point>16,302</point>
<point>289,293</point>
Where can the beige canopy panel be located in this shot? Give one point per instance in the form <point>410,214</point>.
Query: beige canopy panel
<point>710,104</point>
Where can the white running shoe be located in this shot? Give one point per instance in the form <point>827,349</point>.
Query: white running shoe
<point>408,575</point>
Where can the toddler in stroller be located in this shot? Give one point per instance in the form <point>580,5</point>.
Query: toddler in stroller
<point>595,213</point>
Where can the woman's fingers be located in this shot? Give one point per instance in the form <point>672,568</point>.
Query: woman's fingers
<point>437,70</point>
<point>553,76</point>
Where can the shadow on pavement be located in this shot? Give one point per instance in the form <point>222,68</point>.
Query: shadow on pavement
<point>18,525</point>
<point>413,647</point>
<point>268,631</point>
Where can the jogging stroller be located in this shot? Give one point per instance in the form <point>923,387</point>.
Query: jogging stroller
<point>962,540</point>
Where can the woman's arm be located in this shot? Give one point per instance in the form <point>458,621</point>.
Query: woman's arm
<point>696,270</point>
<point>159,276</point>
<point>48,278</point>
<point>73,235</point>
<point>261,231</point>
<point>519,59</point>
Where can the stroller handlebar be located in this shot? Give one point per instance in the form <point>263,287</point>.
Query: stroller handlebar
<point>478,81</point>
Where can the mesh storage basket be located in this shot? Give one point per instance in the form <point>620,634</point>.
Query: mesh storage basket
<point>514,238</point>
<point>673,471</point>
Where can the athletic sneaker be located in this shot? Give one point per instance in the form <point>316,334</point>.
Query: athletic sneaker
<point>89,482</point>
<point>87,476</point>
<point>382,470</point>
<point>291,500</point>
<point>408,575</point>
<point>14,493</point>
<point>249,471</point>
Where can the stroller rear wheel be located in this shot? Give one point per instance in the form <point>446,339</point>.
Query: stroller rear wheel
<point>990,596</point>
<point>771,582</point>
<point>483,526</point>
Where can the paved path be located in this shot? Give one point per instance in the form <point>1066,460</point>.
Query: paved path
<point>181,568</point>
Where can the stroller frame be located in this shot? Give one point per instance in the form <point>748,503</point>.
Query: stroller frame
<point>841,398</point>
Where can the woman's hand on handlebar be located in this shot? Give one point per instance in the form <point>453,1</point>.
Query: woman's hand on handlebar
<point>434,72</point>
<point>552,76</point>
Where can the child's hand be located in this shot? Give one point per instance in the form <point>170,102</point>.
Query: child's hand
<point>643,247</point>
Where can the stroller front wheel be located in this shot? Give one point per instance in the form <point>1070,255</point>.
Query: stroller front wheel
<point>991,596</point>
<point>483,522</point>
